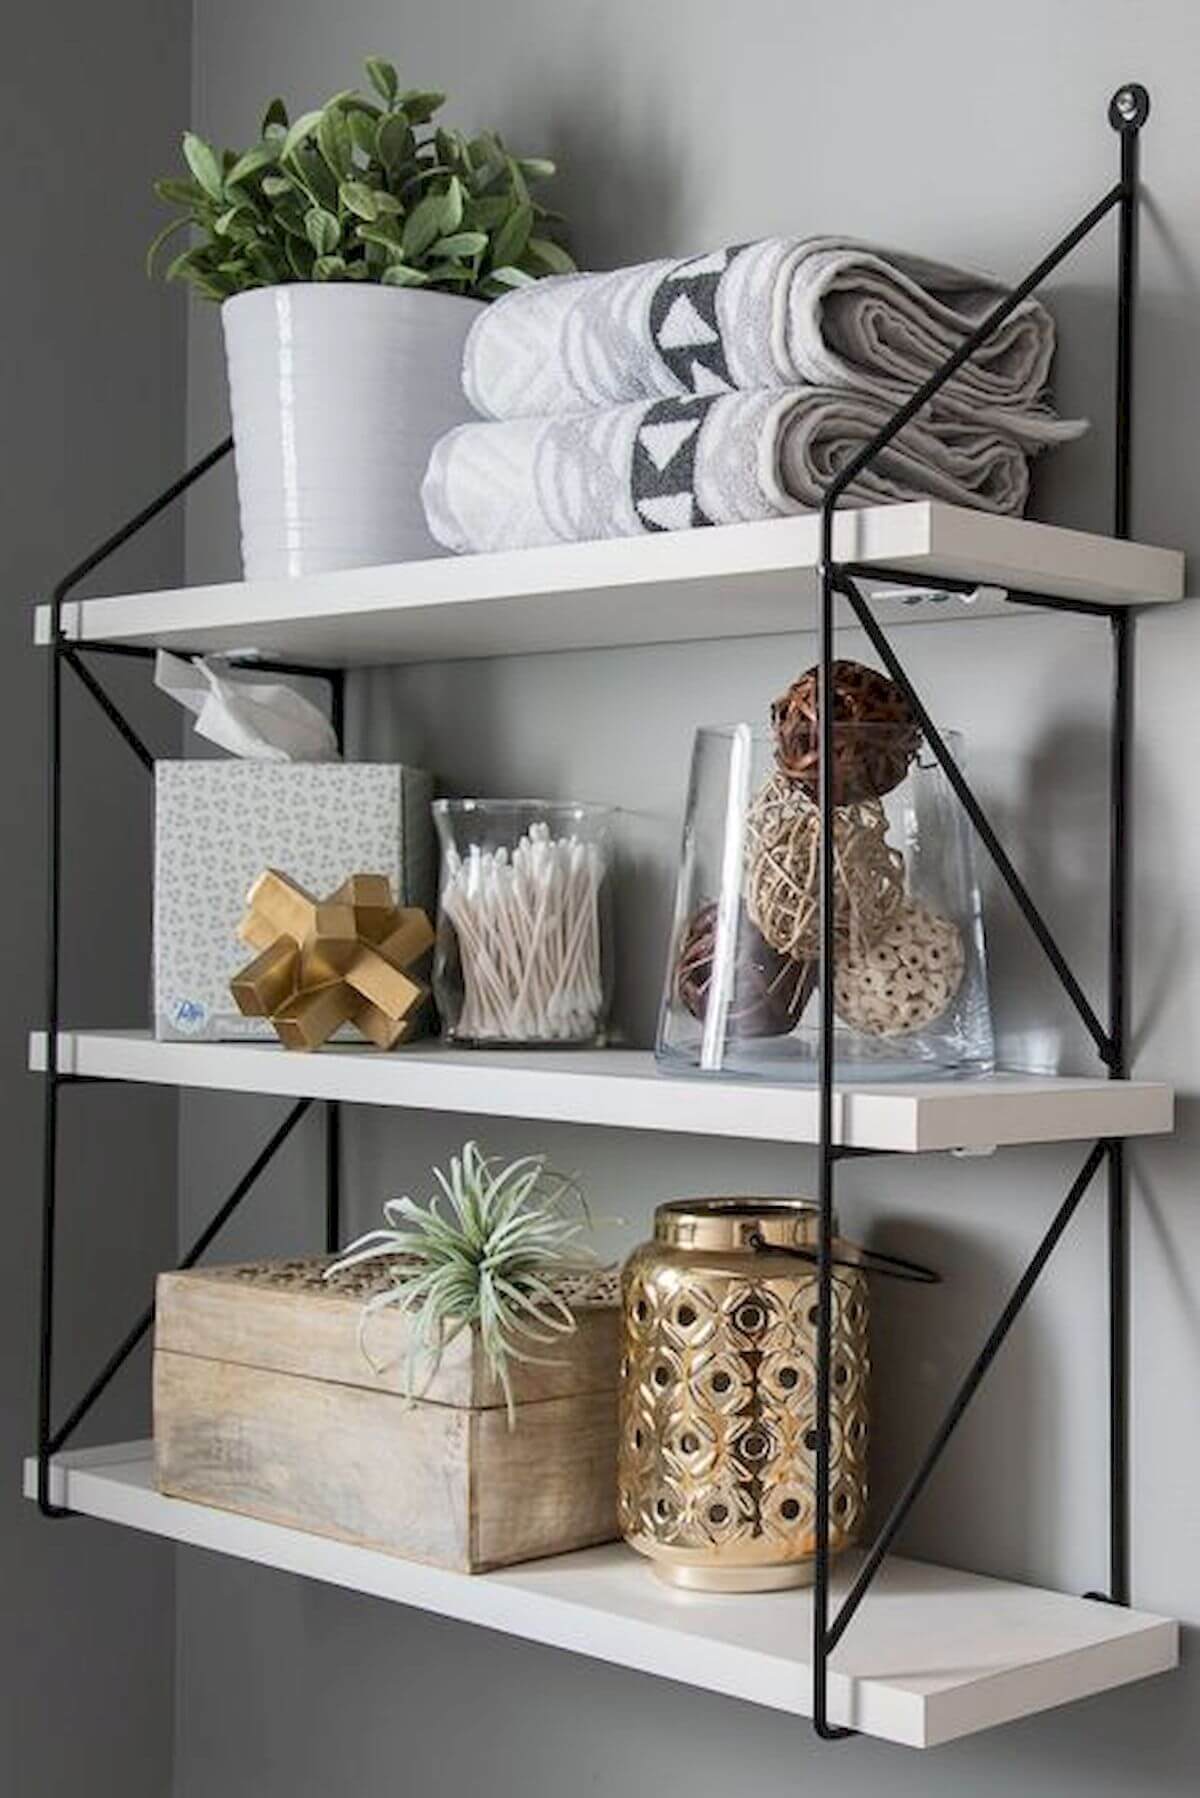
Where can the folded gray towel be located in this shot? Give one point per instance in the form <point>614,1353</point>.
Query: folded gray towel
<point>823,312</point>
<point>672,464</point>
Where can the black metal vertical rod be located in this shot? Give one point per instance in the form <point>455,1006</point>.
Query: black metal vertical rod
<point>1127,114</point>
<point>827,1152</point>
<point>333,1176</point>
<point>215,1224</point>
<point>1120,725</point>
<point>966,1391</point>
<point>333,1111</point>
<point>1118,1376</point>
<point>51,1083</point>
<point>1118,1174</point>
<point>337,704</point>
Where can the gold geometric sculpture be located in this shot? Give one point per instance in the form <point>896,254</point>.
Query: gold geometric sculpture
<point>322,963</point>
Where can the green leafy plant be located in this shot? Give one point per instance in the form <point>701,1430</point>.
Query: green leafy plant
<point>362,189</point>
<point>491,1258</point>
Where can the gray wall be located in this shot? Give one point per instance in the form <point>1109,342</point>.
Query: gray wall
<point>955,129</point>
<point>93,420</point>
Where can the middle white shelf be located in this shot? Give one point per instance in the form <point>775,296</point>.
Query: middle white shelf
<point>623,1089</point>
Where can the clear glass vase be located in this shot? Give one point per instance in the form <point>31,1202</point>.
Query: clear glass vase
<point>910,975</point>
<point>523,953</point>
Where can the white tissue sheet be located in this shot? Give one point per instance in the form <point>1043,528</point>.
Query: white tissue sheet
<point>257,720</point>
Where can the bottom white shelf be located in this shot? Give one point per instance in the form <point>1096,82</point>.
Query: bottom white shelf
<point>932,1654</point>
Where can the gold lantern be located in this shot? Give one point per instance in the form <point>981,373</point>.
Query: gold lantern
<point>716,1479</point>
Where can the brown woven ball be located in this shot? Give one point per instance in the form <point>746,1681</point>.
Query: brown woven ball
<point>769,990</point>
<point>783,870</point>
<point>906,979</point>
<point>875,734</point>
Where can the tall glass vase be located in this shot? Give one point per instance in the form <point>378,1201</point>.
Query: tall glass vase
<point>910,972</point>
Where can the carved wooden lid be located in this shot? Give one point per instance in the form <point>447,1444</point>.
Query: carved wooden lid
<point>306,1275</point>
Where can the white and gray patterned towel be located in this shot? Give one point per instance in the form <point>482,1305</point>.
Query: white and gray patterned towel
<point>667,465</point>
<point>823,312</point>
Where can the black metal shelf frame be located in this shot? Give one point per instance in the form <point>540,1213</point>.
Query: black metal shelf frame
<point>1127,113</point>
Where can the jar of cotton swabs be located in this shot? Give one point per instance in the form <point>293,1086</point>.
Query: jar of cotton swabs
<point>523,943</point>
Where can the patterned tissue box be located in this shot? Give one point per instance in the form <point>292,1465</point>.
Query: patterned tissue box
<point>218,824</point>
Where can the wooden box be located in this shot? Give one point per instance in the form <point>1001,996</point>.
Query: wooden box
<point>265,1403</point>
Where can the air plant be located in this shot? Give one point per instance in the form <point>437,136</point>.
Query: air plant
<point>486,1251</point>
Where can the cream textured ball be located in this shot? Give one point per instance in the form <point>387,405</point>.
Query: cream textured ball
<point>783,870</point>
<point>905,979</point>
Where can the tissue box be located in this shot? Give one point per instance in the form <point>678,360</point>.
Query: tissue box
<point>218,824</point>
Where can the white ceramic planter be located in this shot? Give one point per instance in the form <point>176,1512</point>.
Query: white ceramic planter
<point>338,394</point>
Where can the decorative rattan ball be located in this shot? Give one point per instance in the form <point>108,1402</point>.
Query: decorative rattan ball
<point>906,979</point>
<point>875,734</point>
<point>769,990</point>
<point>783,870</point>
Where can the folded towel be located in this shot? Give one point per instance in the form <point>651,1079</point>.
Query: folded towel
<point>825,312</point>
<point>665,465</point>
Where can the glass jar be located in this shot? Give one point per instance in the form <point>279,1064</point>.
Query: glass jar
<point>910,973</point>
<point>717,1452</point>
<point>523,952</point>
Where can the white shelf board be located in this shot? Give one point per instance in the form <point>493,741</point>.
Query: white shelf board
<point>623,1089</point>
<point>727,581</point>
<point>932,1654</point>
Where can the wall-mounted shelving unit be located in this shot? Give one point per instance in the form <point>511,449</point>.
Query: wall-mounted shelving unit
<point>914,1653</point>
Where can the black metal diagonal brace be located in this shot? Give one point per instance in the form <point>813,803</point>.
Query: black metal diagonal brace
<point>970,804</point>
<point>968,1387</point>
<point>108,706</point>
<point>211,1230</point>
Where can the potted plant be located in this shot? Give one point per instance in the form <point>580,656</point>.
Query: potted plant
<point>349,250</point>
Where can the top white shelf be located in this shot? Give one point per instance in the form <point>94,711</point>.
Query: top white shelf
<point>726,581</point>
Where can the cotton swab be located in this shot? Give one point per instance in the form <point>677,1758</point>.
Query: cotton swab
<point>529,939</point>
